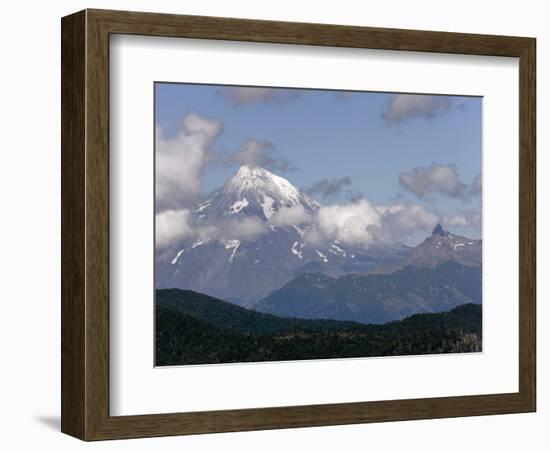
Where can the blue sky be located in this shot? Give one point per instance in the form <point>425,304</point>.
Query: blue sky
<point>377,140</point>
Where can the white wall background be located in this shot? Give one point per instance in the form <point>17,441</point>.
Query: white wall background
<point>30,224</point>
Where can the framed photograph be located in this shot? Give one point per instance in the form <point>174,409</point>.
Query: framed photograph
<point>273,225</point>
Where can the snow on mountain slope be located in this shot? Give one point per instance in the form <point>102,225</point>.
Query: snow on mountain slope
<point>254,191</point>
<point>248,268</point>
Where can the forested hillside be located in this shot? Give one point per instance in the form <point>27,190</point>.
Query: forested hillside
<point>195,329</point>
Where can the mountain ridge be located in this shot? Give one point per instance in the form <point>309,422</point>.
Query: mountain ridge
<point>439,247</point>
<point>376,298</point>
<point>246,269</point>
<point>228,316</point>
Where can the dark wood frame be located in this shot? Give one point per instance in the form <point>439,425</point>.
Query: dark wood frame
<point>85,224</point>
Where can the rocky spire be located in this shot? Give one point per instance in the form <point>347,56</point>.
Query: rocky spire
<point>438,230</point>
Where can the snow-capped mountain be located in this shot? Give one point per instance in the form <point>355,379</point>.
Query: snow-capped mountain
<point>254,242</point>
<point>441,246</point>
<point>254,191</point>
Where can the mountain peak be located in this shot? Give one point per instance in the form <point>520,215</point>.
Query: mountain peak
<point>255,178</point>
<point>438,230</point>
<point>260,185</point>
<point>253,175</point>
<point>247,170</point>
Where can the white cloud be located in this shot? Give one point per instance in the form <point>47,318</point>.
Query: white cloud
<point>326,187</point>
<point>437,178</point>
<point>361,223</point>
<point>456,220</point>
<point>247,228</point>
<point>347,223</point>
<point>243,95</point>
<point>258,153</point>
<point>476,220</point>
<point>294,215</point>
<point>194,123</point>
<point>172,226</point>
<point>471,219</point>
<point>399,221</point>
<point>344,96</point>
<point>407,106</point>
<point>477,185</point>
<point>180,161</point>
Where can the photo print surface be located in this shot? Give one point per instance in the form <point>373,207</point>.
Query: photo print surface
<point>295,224</point>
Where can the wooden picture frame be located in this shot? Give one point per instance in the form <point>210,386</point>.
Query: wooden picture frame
<point>85,224</point>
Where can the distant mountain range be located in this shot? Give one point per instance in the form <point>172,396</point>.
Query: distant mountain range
<point>376,298</point>
<point>279,273</point>
<point>442,272</point>
<point>193,328</point>
<point>245,271</point>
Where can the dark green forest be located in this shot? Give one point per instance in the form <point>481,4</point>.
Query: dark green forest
<point>193,328</point>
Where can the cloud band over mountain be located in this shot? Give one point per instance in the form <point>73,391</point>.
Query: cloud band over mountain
<point>358,223</point>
